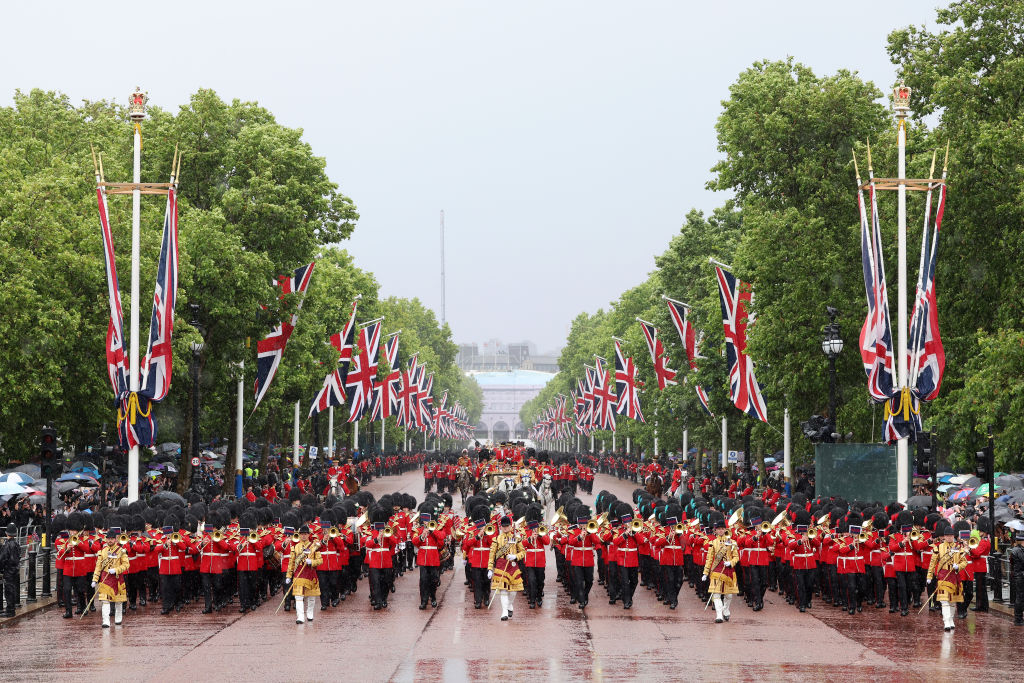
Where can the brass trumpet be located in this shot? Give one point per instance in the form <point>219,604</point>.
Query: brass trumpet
<point>253,537</point>
<point>431,525</point>
<point>915,535</point>
<point>296,538</point>
<point>542,530</point>
<point>765,527</point>
<point>489,529</point>
<point>333,532</point>
<point>812,534</point>
<point>388,532</point>
<point>973,543</point>
<point>678,528</point>
<point>636,526</point>
<point>863,537</point>
<point>217,536</point>
<point>123,539</point>
<point>175,537</point>
<point>592,526</point>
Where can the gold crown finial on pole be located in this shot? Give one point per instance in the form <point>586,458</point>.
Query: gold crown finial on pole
<point>137,105</point>
<point>901,98</point>
<point>869,156</point>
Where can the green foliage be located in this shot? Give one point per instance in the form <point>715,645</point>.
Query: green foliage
<point>255,203</point>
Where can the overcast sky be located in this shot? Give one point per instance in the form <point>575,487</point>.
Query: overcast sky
<point>565,141</point>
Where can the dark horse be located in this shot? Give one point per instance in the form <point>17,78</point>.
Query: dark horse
<point>654,484</point>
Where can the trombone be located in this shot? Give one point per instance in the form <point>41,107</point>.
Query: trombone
<point>637,526</point>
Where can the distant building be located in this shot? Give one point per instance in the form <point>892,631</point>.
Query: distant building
<point>505,392</point>
<point>494,355</point>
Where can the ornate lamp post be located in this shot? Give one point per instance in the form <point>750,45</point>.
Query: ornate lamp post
<point>832,346</point>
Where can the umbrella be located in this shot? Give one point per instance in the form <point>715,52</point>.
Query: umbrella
<point>171,469</point>
<point>960,479</point>
<point>1009,482</point>
<point>1016,525</point>
<point>962,494</point>
<point>30,469</point>
<point>1016,497</point>
<point>80,478</point>
<point>1003,514</point>
<point>945,478</point>
<point>153,474</point>
<point>919,501</point>
<point>169,496</point>
<point>216,464</point>
<point>11,488</point>
<point>946,487</point>
<point>972,481</point>
<point>65,486</point>
<point>169,447</point>
<point>84,464</point>
<point>17,478</point>
<point>982,490</point>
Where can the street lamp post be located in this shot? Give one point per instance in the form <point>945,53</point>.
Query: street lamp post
<point>832,345</point>
<point>197,349</point>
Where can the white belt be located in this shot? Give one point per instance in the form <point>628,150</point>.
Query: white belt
<point>804,555</point>
<point>328,552</point>
<point>535,550</point>
<point>757,550</point>
<point>168,558</point>
<point>906,554</point>
<point>428,547</point>
<point>205,555</point>
<point>673,547</point>
<point>627,550</point>
<point>378,550</point>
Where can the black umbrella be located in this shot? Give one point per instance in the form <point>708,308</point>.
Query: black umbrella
<point>919,502</point>
<point>1009,483</point>
<point>170,496</point>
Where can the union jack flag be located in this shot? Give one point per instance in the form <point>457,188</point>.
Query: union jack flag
<point>156,367</point>
<point>407,415</point>
<point>579,409</point>
<point>332,393</point>
<point>625,386</point>
<point>386,392</point>
<point>270,349</point>
<point>927,359</point>
<point>425,399</point>
<point>743,386</point>
<point>679,313</point>
<point>363,372</point>
<point>116,367</point>
<point>876,347</point>
<point>590,416</point>
<point>439,417</point>
<point>666,376</point>
<point>605,400</point>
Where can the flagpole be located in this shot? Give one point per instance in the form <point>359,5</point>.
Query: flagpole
<point>355,436</point>
<point>330,432</point>
<point>787,462</point>
<point>383,423</point>
<point>133,343</point>
<point>239,429</point>
<point>902,446</point>
<point>295,437</point>
<point>725,443</point>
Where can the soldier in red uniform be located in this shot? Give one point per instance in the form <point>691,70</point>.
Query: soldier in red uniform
<point>583,543</point>
<point>670,550</point>
<point>803,547</point>
<point>851,562</point>
<point>757,546</point>
<point>137,549</point>
<point>380,544</point>
<point>534,543</point>
<point>903,559</point>
<point>173,546</point>
<point>626,542</point>
<point>428,476</point>
<point>75,572</point>
<point>429,538</point>
<point>476,547</point>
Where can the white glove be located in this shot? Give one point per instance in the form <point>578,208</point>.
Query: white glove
<point>490,574</point>
<point>704,578</point>
<point>956,567</point>
<point>113,570</point>
<point>93,584</point>
<point>512,557</point>
<point>309,561</point>
<point>728,563</point>
<point>287,581</point>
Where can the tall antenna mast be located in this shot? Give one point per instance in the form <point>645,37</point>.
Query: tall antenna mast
<point>442,269</point>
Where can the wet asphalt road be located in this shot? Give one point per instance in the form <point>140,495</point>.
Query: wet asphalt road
<point>458,643</point>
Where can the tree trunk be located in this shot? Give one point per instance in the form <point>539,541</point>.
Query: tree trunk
<point>265,453</point>
<point>185,464</point>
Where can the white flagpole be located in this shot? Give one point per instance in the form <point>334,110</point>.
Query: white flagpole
<point>725,443</point>
<point>330,432</point>
<point>383,422</point>
<point>239,429</point>
<point>133,326</point>
<point>295,438</point>
<point>902,449</point>
<point>355,436</point>
<point>787,462</point>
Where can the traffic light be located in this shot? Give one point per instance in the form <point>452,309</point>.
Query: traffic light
<point>48,464</point>
<point>923,461</point>
<point>983,464</point>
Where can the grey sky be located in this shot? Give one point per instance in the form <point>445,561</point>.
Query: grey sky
<point>562,139</point>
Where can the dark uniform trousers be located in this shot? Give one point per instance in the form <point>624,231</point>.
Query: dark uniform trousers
<point>627,583</point>
<point>430,577</point>
<point>582,581</point>
<point>534,583</point>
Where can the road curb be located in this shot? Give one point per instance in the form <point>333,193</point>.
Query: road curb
<point>28,610</point>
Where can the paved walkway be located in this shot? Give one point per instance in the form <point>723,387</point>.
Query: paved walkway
<point>458,643</point>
